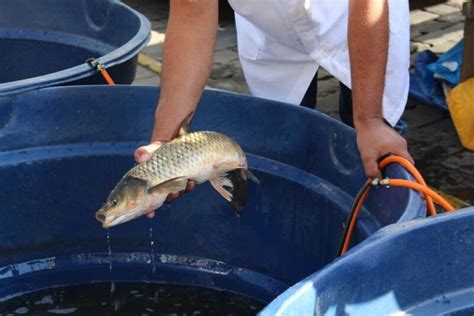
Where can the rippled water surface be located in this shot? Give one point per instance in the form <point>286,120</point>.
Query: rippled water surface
<point>130,299</point>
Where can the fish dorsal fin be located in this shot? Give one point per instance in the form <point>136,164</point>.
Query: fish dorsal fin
<point>170,186</point>
<point>185,124</point>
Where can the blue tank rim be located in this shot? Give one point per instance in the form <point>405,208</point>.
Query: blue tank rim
<point>378,239</point>
<point>119,55</point>
<point>173,270</point>
<point>415,198</point>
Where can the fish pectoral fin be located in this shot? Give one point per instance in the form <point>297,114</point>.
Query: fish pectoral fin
<point>170,186</point>
<point>185,124</point>
<point>232,185</point>
<point>219,182</point>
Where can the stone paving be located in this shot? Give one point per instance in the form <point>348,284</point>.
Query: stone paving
<point>432,138</point>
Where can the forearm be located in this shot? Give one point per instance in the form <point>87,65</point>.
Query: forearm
<point>368,49</point>
<point>187,60</point>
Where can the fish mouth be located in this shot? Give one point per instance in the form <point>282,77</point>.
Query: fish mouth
<point>108,219</point>
<point>100,216</point>
<point>104,218</point>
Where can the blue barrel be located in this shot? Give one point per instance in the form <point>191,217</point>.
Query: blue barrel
<point>47,42</point>
<point>63,149</point>
<point>423,267</point>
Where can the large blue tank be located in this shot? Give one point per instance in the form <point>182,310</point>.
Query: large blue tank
<point>63,149</point>
<point>47,42</point>
<point>423,267</point>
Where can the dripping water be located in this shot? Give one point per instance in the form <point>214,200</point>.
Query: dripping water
<point>109,248</point>
<point>114,304</point>
<point>152,251</point>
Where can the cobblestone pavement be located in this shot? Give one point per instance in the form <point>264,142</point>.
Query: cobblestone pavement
<point>431,135</point>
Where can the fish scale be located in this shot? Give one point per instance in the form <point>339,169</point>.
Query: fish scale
<point>182,155</point>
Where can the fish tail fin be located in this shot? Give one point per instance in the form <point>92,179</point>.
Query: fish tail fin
<point>232,186</point>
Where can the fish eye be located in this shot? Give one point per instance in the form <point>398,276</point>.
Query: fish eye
<point>114,202</point>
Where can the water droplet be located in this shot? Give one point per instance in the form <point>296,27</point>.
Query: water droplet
<point>48,299</point>
<point>112,292</point>
<point>62,311</point>
<point>116,305</point>
<point>21,310</point>
<point>112,288</point>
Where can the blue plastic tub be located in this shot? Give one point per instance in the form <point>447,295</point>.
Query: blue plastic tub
<point>63,149</point>
<point>423,267</point>
<point>47,42</point>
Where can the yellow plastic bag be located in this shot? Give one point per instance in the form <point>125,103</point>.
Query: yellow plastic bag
<point>461,105</point>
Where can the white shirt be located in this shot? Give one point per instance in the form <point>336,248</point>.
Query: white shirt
<point>283,42</point>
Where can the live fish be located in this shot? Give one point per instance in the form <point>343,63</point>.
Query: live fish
<point>198,156</point>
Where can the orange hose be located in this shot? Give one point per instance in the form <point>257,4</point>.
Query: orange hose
<point>427,191</point>
<point>415,173</point>
<point>354,221</point>
<point>107,77</point>
<point>421,186</point>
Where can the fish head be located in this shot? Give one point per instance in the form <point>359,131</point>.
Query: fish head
<point>128,200</point>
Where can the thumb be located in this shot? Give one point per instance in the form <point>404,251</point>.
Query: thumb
<point>144,153</point>
<point>371,167</point>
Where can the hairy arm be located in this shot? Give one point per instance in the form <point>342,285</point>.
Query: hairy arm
<point>187,60</point>
<point>368,49</point>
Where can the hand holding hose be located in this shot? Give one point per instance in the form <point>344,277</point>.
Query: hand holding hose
<point>420,185</point>
<point>375,140</point>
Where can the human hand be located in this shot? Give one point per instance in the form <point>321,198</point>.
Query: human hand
<point>376,139</point>
<point>143,154</point>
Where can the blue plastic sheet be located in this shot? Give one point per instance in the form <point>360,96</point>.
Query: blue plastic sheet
<point>426,82</point>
